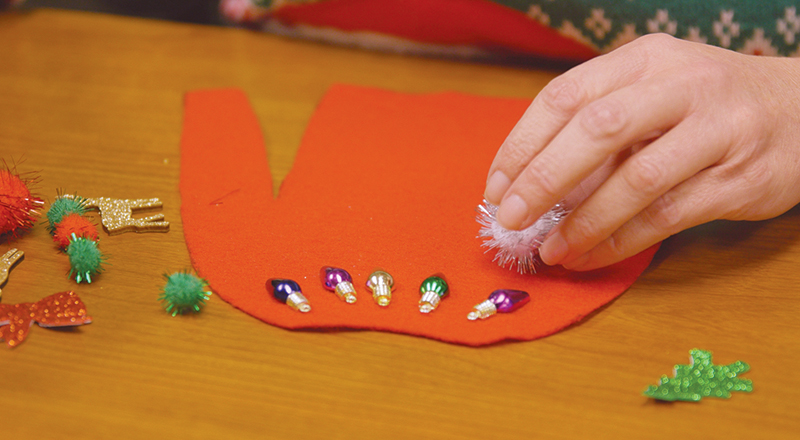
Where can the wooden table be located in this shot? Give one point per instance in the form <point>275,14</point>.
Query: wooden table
<point>93,103</point>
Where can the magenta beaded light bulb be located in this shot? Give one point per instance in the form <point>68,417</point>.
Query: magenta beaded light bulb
<point>502,301</point>
<point>339,282</point>
<point>289,293</point>
<point>381,283</point>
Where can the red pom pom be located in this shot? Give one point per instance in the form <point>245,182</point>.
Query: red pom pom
<point>17,205</point>
<point>74,224</point>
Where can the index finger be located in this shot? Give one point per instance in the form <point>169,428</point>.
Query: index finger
<point>557,104</point>
<point>602,129</point>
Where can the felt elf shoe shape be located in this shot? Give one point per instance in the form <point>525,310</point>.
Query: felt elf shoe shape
<point>382,178</point>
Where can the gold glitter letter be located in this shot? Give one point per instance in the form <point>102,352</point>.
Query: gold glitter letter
<point>117,215</point>
<point>6,261</point>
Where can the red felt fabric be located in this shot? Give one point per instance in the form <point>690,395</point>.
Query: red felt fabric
<point>382,179</point>
<point>479,23</point>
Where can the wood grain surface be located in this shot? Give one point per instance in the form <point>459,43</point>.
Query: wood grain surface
<point>93,104</point>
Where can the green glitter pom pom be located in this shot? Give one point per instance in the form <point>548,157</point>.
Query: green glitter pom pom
<point>85,259</point>
<point>62,207</point>
<point>701,379</point>
<point>184,293</point>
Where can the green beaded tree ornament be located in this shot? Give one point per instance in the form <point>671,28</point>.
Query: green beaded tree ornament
<point>701,379</point>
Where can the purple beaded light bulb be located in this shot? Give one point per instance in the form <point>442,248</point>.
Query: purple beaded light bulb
<point>503,301</point>
<point>289,293</point>
<point>339,282</point>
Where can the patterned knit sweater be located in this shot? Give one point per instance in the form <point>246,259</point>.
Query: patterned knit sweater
<point>579,29</point>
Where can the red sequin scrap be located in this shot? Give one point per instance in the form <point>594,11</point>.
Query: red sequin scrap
<point>63,309</point>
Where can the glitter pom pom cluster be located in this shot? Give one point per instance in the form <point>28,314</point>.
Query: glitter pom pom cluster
<point>77,236</point>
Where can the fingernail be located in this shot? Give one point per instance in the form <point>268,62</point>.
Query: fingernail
<point>577,263</point>
<point>496,187</point>
<point>512,212</point>
<point>554,249</point>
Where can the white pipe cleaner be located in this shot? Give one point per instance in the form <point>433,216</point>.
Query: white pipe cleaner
<point>517,248</point>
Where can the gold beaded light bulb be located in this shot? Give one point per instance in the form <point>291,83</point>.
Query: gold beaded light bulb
<point>381,283</point>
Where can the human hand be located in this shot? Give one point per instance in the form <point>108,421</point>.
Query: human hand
<point>651,139</point>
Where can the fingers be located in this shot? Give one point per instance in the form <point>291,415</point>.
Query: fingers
<point>554,107</point>
<point>603,128</point>
<point>591,183</point>
<point>691,203</point>
<point>635,185</point>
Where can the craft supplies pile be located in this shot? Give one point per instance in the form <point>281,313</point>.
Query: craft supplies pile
<point>74,235</point>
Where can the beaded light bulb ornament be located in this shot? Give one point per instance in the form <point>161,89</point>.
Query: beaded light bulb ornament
<point>518,249</point>
<point>339,282</point>
<point>503,301</point>
<point>433,289</point>
<point>381,284</point>
<point>289,293</point>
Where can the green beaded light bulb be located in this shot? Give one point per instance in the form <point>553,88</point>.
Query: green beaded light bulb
<point>433,289</point>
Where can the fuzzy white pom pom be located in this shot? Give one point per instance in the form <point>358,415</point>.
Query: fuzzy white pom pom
<point>518,249</point>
